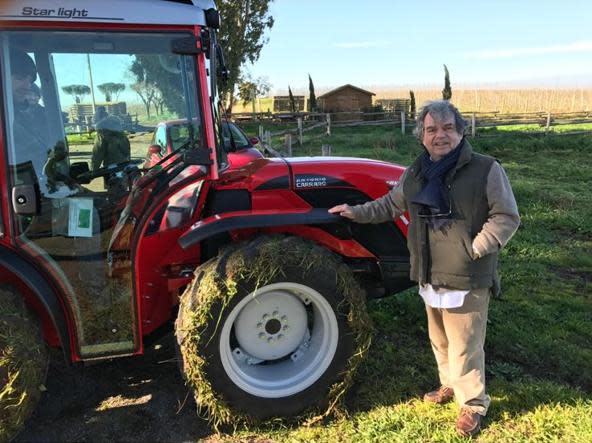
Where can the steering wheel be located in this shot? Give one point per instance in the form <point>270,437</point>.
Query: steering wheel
<point>110,169</point>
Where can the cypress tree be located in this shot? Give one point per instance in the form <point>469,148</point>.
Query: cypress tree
<point>312,100</point>
<point>292,101</point>
<point>447,91</point>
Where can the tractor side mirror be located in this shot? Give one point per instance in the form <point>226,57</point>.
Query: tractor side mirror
<point>25,199</point>
<point>223,72</point>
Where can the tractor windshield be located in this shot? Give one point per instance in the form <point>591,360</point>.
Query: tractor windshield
<point>79,110</point>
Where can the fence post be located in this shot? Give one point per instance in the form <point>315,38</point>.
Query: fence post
<point>325,150</point>
<point>403,122</point>
<point>288,144</point>
<point>300,131</point>
<point>473,124</point>
<point>328,124</point>
<point>548,125</point>
<point>268,139</point>
<point>261,132</point>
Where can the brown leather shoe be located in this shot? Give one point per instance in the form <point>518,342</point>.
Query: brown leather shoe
<point>468,423</point>
<point>442,395</point>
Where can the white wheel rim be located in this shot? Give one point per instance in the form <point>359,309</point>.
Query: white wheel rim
<point>264,364</point>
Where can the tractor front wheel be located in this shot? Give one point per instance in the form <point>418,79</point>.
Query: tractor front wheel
<point>270,328</point>
<point>23,363</point>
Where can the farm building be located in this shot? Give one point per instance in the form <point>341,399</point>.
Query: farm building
<point>346,98</point>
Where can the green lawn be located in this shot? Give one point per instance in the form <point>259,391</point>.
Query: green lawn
<point>536,128</point>
<point>539,344</point>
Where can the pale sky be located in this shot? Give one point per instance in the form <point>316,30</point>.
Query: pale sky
<point>405,43</point>
<point>381,44</point>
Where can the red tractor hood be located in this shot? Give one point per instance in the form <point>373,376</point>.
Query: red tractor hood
<point>372,177</point>
<point>294,192</point>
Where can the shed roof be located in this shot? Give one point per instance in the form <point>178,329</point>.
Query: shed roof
<point>341,88</point>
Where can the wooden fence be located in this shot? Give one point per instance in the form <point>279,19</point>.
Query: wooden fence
<point>303,123</point>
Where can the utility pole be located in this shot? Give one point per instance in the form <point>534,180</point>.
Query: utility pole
<point>253,98</point>
<point>92,87</point>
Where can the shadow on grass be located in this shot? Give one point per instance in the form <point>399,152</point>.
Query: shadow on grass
<point>526,394</point>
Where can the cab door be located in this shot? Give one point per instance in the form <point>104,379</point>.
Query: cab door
<point>78,110</point>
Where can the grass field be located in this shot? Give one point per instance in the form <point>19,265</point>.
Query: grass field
<point>539,343</point>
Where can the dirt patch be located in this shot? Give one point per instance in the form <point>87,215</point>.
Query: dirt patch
<point>130,399</point>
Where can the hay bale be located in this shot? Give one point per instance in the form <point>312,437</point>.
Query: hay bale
<point>263,261</point>
<point>23,363</point>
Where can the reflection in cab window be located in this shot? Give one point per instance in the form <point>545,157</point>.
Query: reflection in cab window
<point>80,108</point>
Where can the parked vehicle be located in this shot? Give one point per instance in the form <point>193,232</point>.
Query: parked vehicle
<point>170,135</point>
<point>266,288</point>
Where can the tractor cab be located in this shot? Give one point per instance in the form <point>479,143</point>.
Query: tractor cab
<point>71,145</point>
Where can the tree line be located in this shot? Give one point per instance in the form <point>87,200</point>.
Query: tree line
<point>242,35</point>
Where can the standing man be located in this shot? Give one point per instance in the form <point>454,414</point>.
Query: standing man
<point>462,212</point>
<point>111,147</point>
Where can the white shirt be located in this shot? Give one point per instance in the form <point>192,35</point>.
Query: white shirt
<point>442,298</point>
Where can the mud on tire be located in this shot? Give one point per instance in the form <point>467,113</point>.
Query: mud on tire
<point>271,328</point>
<point>23,363</point>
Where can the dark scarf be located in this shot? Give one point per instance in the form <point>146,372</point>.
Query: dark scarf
<point>434,197</point>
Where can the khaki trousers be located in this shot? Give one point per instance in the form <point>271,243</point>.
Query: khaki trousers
<point>457,336</point>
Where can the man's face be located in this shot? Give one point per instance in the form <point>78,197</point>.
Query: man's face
<point>21,87</point>
<point>440,137</point>
<point>32,98</point>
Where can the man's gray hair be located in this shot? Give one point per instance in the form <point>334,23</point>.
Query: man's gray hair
<point>439,110</point>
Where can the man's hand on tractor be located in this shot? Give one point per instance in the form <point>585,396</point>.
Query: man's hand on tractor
<point>344,210</point>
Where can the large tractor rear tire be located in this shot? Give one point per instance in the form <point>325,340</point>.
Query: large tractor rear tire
<point>23,363</point>
<point>271,328</point>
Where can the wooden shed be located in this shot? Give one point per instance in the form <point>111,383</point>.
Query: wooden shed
<point>346,98</point>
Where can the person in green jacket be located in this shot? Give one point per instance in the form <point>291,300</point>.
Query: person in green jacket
<point>111,147</point>
<point>462,212</point>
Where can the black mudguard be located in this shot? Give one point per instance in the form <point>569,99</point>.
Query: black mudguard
<point>212,226</point>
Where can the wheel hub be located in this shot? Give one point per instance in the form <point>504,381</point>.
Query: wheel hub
<point>271,326</point>
<point>274,322</point>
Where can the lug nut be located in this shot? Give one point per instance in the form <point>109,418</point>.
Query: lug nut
<point>279,337</point>
<point>270,340</point>
<point>286,328</point>
<point>262,335</point>
<point>276,313</point>
<point>259,325</point>
<point>284,318</point>
<point>265,316</point>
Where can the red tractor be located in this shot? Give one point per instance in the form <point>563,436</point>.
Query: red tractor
<point>267,290</point>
